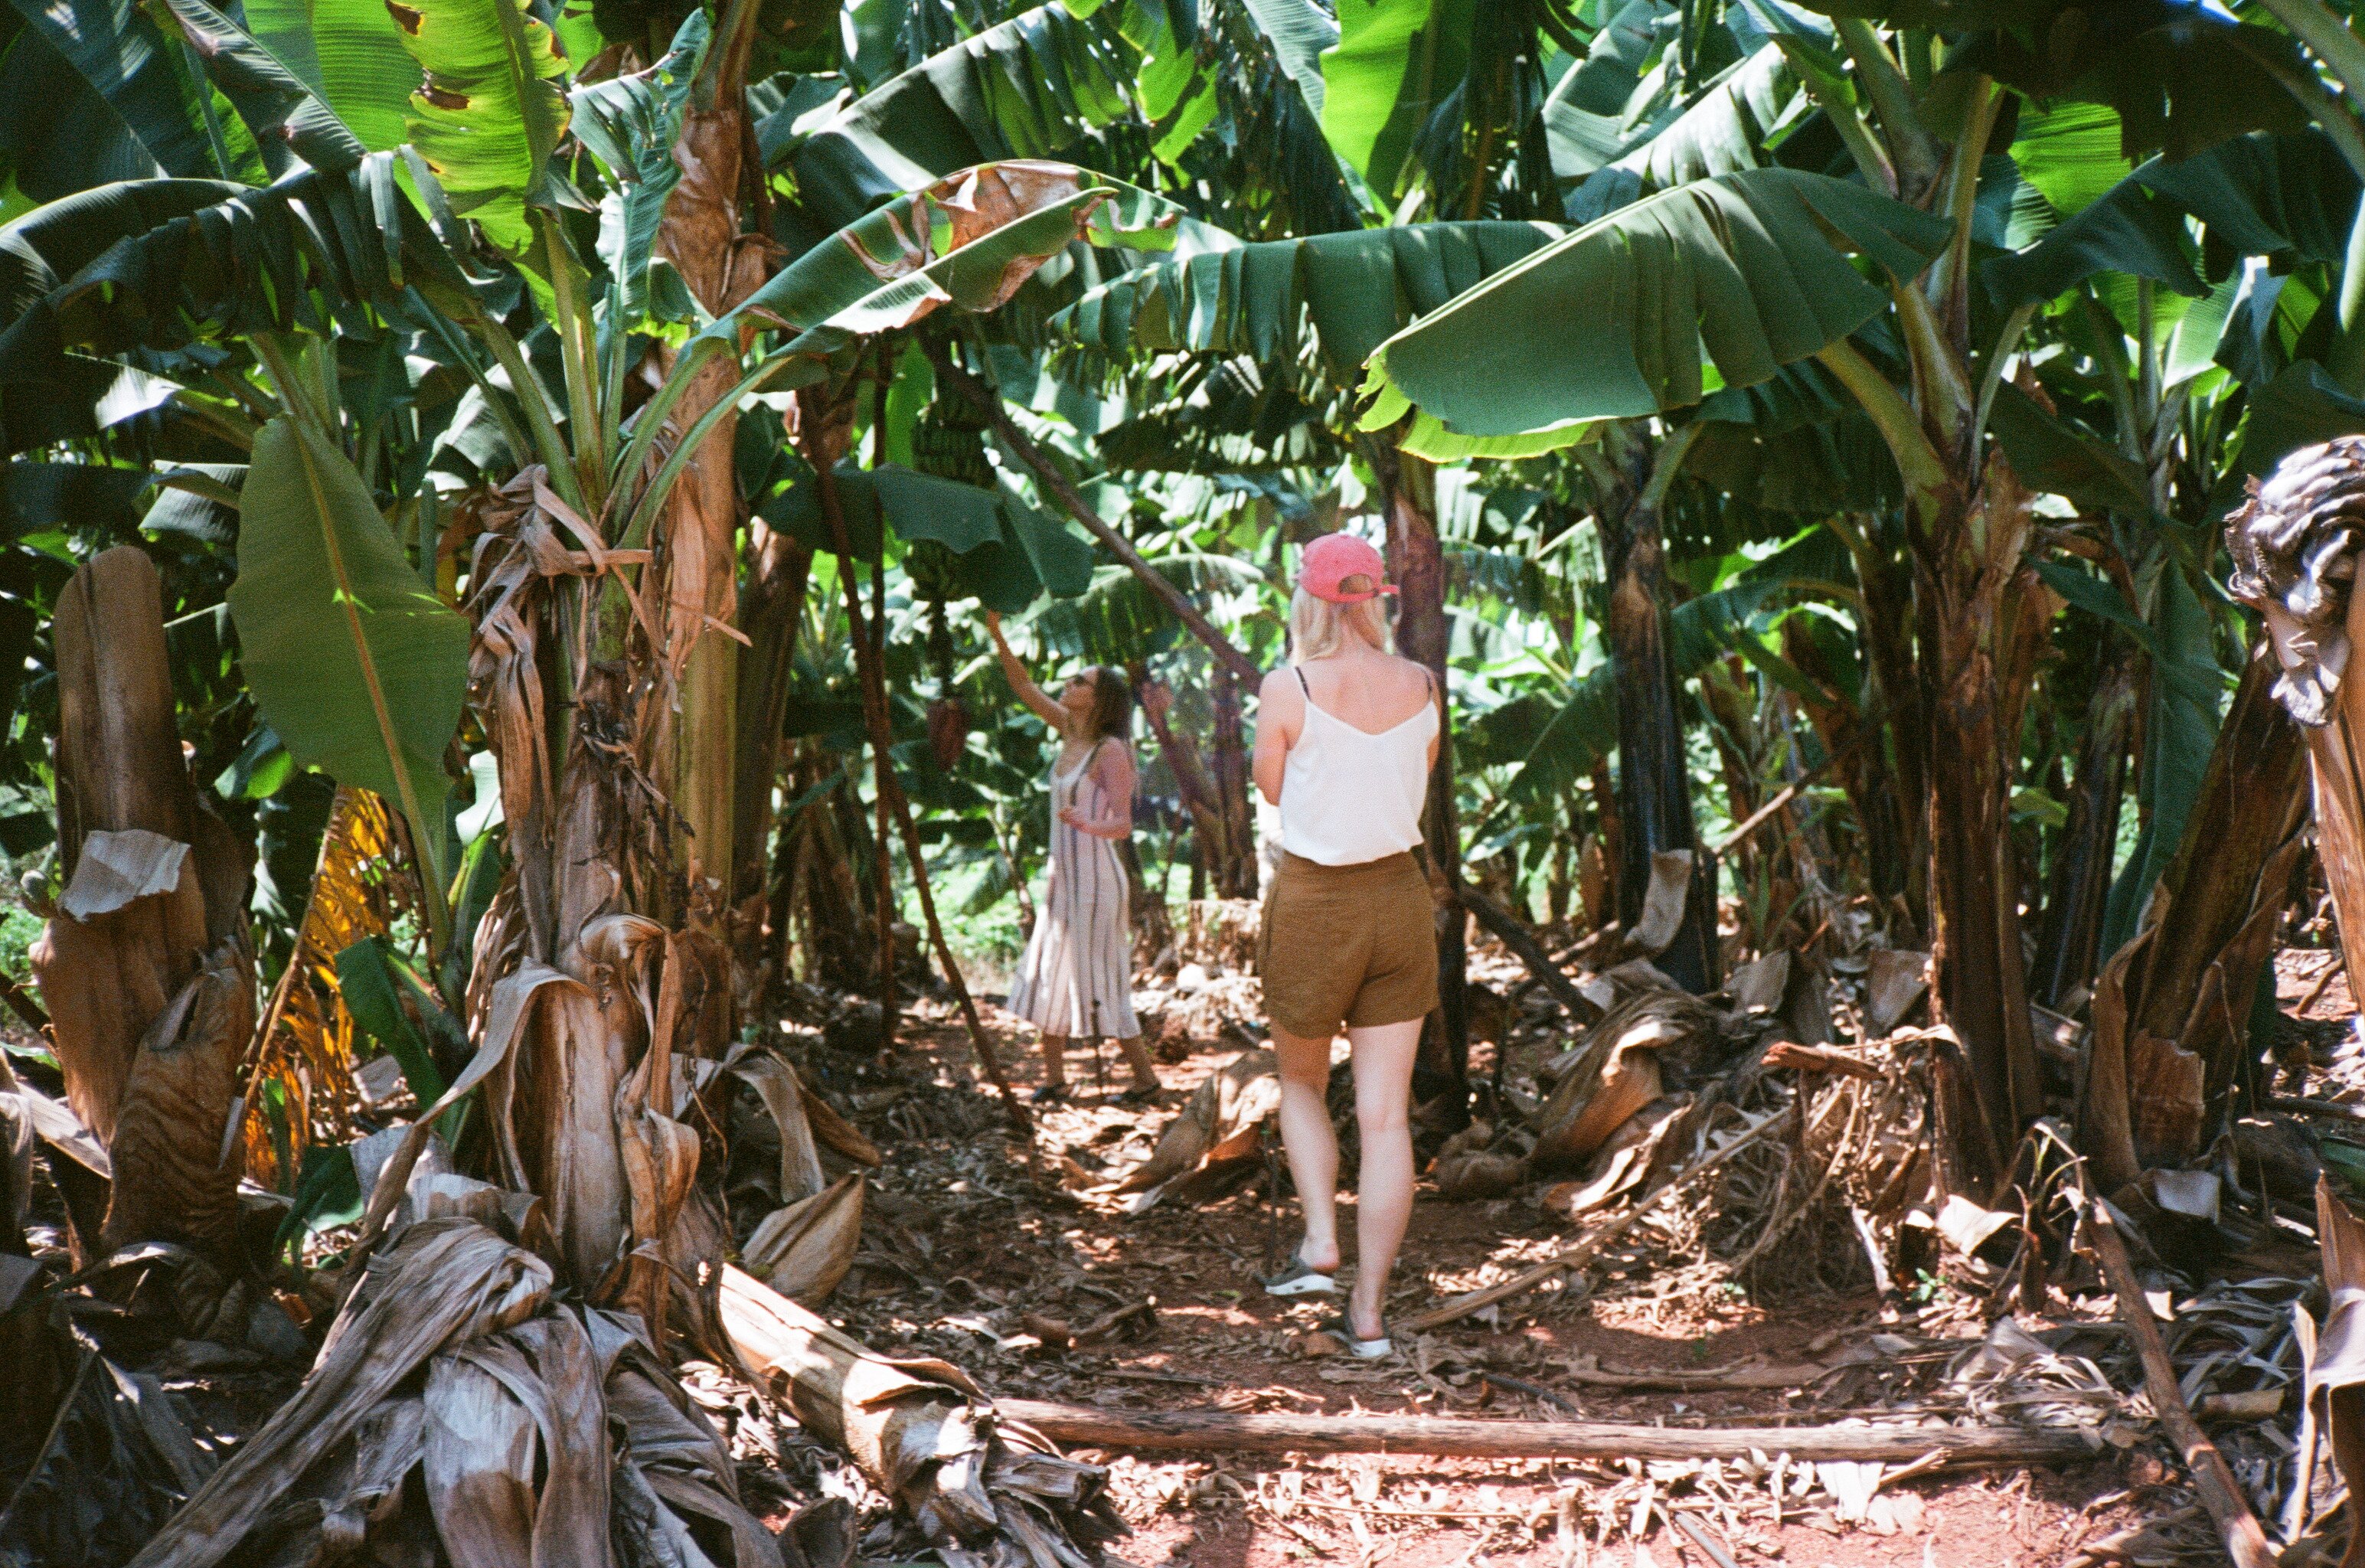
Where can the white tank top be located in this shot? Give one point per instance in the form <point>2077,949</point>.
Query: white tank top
<point>1348,796</point>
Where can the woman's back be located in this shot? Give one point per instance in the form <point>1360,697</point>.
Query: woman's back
<point>1357,773</point>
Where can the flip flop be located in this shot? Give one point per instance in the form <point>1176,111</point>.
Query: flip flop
<point>1133,1098</point>
<point>1298,1277</point>
<point>1361,1349</point>
<point>1049,1095</point>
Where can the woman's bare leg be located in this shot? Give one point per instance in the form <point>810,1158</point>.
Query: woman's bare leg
<point>1384,1058</point>
<point>1312,1147</point>
<point>1055,1061</point>
<point>1138,1057</point>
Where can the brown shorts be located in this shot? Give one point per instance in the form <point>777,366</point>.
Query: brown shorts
<point>1347,944</point>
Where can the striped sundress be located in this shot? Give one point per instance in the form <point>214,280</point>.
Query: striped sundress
<point>1077,977</point>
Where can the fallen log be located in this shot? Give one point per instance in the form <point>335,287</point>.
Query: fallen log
<point>2212,1479</point>
<point>920,1431</point>
<point>1584,1251</point>
<point>1202,1430</point>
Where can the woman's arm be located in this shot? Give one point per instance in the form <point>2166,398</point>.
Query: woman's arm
<point>1112,768</point>
<point>1281,713</point>
<point>1021,682</point>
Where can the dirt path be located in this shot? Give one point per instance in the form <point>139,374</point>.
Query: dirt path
<point>961,1260</point>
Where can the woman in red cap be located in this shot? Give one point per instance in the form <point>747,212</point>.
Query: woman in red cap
<point>1077,977</point>
<point>1345,740</point>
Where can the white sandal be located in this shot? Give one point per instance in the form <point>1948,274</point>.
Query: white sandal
<point>1375,1349</point>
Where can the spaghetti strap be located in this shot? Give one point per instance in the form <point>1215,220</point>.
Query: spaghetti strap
<point>1299,671</point>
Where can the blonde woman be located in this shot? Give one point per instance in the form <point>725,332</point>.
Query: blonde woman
<point>1345,740</point>
<point>1077,977</point>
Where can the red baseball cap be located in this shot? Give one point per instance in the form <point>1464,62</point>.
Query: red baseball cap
<point>1342,569</point>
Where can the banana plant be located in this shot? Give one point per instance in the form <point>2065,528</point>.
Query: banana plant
<point>1740,275</point>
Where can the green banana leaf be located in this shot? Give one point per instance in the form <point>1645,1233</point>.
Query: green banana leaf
<point>1353,289</point>
<point>57,136</point>
<point>279,109</point>
<point>350,655</point>
<point>139,72</point>
<point>1587,119</point>
<point>350,52</point>
<point>630,124</point>
<point>1299,32</point>
<point>2287,198</point>
<point>1394,64</point>
<point>491,111</point>
<point>2182,75</point>
<point>1724,129</point>
<point>156,264</point>
<point>1025,88</point>
<point>1744,272</point>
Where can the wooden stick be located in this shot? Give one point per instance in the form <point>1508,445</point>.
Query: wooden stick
<point>1584,1251</point>
<point>2212,1480</point>
<point>2300,1107</point>
<point>1057,484</point>
<point>1509,931</point>
<point>1782,798</point>
<point>1205,1430</point>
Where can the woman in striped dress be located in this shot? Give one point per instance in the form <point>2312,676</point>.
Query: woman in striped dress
<point>1077,978</point>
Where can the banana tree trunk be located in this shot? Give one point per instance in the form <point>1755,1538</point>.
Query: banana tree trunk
<point>1967,558</point>
<point>1235,870</point>
<point>145,964</point>
<point>2078,885</point>
<point>1873,793</point>
<point>2172,1007</point>
<point>1896,769</point>
<point>1654,801</point>
<point>769,614</point>
<point>698,566</point>
<point>1416,562</point>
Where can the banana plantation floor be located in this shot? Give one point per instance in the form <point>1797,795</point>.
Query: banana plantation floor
<point>1070,1289</point>
<point>963,1259</point>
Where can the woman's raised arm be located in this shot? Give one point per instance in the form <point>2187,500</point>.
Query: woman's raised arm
<point>1021,682</point>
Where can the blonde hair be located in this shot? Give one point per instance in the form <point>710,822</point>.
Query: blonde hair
<point>1320,628</point>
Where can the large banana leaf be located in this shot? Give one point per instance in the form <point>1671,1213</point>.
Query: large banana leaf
<point>968,241</point>
<point>57,136</point>
<point>1299,31</point>
<point>132,65</point>
<point>280,111</point>
<point>2183,75</point>
<point>1724,129</point>
<point>157,263</point>
<point>1353,289</point>
<point>2287,198</point>
<point>1587,115</point>
<point>350,53</point>
<point>631,123</point>
<point>352,658</point>
<point>1394,63</point>
<point>1025,88</point>
<point>1744,271</point>
<point>492,110</point>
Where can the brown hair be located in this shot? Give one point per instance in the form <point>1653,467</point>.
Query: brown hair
<point>1112,714</point>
